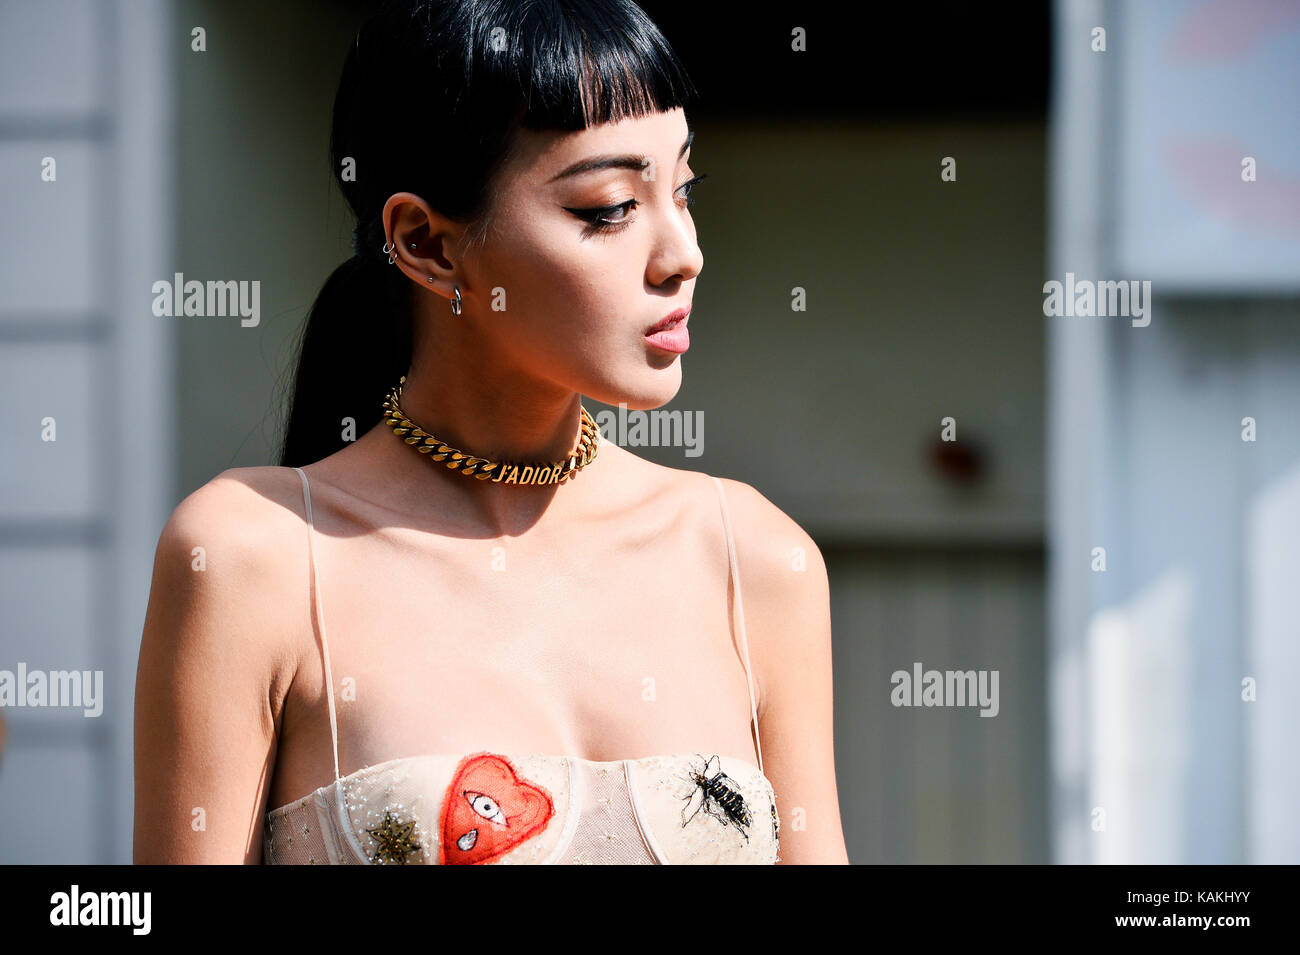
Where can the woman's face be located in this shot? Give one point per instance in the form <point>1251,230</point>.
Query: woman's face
<point>591,244</point>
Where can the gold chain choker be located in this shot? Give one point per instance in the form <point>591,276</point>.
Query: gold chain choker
<point>499,472</point>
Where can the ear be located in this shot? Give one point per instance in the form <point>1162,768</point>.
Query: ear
<point>428,244</point>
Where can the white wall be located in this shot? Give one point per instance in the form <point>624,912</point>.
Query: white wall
<point>1157,757</point>
<point>85,83</point>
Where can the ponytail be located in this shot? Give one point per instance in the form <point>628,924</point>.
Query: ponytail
<point>355,345</point>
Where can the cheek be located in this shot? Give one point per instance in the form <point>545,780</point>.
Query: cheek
<point>557,282</point>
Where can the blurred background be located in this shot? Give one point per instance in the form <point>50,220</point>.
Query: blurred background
<point>1147,706</point>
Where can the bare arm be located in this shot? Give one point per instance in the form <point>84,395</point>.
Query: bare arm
<point>209,682</point>
<point>786,599</point>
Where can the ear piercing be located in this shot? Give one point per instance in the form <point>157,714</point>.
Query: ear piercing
<point>390,249</point>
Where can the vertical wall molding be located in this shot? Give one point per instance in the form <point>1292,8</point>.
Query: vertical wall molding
<point>142,429</point>
<point>1076,416</point>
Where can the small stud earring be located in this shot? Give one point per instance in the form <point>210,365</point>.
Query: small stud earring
<point>413,245</point>
<point>430,279</point>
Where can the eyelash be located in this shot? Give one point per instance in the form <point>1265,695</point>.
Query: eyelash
<point>593,216</point>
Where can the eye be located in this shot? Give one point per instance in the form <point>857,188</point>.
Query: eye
<point>605,218</point>
<point>689,186</point>
<point>606,215</point>
<point>486,807</point>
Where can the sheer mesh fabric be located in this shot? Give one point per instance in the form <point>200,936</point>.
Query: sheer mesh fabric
<point>296,836</point>
<point>607,830</point>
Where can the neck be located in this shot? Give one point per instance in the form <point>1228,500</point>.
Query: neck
<point>492,424</point>
<point>485,418</point>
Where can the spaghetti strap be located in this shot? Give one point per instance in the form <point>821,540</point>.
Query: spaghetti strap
<point>740,610</point>
<point>320,623</point>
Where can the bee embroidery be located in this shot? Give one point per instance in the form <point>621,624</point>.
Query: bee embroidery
<point>717,794</point>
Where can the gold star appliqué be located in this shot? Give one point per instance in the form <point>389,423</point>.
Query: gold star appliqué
<point>394,840</point>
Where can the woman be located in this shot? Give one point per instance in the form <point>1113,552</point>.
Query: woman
<point>401,646</point>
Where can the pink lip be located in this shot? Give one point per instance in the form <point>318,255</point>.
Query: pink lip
<point>670,333</point>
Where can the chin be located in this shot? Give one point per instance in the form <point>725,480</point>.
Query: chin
<point>647,392</point>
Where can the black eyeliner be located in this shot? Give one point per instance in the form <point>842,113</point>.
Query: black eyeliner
<point>592,216</point>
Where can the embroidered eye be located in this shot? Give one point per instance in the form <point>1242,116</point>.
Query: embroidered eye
<point>486,807</point>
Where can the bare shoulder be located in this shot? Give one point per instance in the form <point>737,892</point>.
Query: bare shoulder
<point>220,647</point>
<point>248,504</point>
<point>230,553</point>
<point>771,547</point>
<point>780,564</point>
<point>784,590</point>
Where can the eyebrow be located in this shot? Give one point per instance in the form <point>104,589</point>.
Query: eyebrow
<point>616,162</point>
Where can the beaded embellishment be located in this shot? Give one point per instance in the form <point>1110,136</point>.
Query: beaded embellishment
<point>489,809</point>
<point>718,795</point>
<point>394,840</point>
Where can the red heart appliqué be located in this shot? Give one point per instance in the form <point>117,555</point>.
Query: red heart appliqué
<point>489,810</point>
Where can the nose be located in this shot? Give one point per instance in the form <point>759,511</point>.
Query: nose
<point>676,254</point>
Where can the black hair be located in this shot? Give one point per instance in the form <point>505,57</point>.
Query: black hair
<point>431,94</point>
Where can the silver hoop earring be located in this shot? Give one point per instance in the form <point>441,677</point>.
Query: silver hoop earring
<point>455,302</point>
<point>390,250</point>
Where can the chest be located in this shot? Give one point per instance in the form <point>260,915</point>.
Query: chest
<point>598,647</point>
